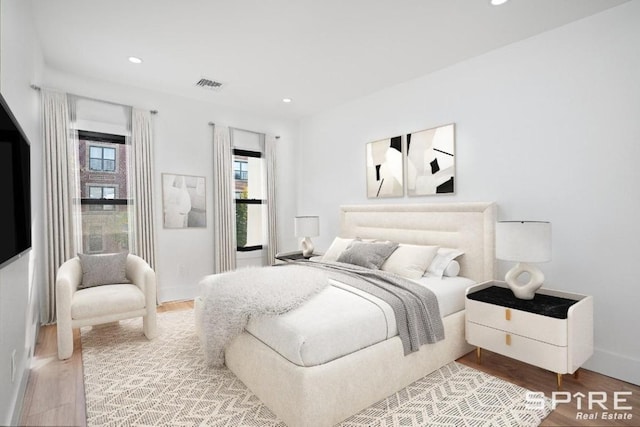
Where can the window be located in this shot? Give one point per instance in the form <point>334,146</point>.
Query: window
<point>240,170</point>
<point>102,159</point>
<point>103,196</point>
<point>248,175</point>
<point>102,192</point>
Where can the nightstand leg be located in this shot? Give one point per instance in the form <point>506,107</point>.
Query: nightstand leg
<point>559,381</point>
<point>479,355</point>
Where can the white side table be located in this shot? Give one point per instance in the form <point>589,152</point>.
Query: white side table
<point>553,331</point>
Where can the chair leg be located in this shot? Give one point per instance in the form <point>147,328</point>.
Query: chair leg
<point>149,325</point>
<point>65,340</point>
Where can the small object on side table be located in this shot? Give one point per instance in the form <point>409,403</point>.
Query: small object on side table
<point>553,331</point>
<point>307,226</point>
<point>524,242</point>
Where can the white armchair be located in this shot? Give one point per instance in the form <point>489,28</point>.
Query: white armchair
<point>103,304</point>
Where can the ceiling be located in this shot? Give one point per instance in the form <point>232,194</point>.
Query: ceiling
<point>319,53</point>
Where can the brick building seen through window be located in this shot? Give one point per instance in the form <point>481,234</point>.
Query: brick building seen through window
<point>103,192</point>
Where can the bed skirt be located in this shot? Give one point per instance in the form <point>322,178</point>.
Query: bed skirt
<point>326,394</point>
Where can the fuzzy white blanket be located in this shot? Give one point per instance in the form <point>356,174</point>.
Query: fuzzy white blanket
<point>230,299</point>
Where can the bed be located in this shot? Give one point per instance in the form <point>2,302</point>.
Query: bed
<point>332,389</point>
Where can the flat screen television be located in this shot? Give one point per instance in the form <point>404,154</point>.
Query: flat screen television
<point>15,188</point>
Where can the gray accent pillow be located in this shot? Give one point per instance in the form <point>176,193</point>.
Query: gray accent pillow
<point>103,269</point>
<point>367,254</point>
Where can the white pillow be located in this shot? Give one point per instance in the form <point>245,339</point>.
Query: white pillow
<point>337,247</point>
<point>410,261</point>
<point>442,260</point>
<point>453,269</point>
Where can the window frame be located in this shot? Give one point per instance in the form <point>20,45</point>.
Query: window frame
<point>102,158</point>
<point>105,207</point>
<point>101,204</point>
<point>102,137</point>
<point>102,187</point>
<point>243,172</point>
<point>237,201</point>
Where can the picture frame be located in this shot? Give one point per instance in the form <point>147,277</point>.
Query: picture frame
<point>430,161</point>
<point>385,174</point>
<point>184,203</point>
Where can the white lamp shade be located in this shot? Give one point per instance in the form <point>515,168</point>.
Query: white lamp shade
<point>307,226</point>
<point>523,241</point>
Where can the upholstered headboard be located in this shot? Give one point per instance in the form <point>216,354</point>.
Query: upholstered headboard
<point>469,227</point>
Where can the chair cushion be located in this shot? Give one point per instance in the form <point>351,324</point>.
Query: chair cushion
<point>103,269</point>
<point>107,299</point>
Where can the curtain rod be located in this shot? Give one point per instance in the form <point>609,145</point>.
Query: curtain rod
<point>36,87</point>
<point>244,130</point>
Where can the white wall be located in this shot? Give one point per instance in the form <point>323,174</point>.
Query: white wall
<point>20,63</point>
<point>183,145</point>
<point>548,128</point>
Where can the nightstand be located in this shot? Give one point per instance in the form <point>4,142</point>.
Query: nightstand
<point>553,331</point>
<point>292,256</point>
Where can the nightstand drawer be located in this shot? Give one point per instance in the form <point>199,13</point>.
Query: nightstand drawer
<point>541,354</point>
<point>535,326</point>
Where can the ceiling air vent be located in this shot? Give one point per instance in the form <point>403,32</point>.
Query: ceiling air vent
<point>209,84</point>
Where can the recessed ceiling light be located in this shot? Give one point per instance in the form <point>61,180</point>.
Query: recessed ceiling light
<point>498,2</point>
<point>135,60</point>
<point>286,100</point>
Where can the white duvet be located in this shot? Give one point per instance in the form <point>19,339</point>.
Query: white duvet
<point>341,320</point>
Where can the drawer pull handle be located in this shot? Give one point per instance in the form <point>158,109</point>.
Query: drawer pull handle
<point>507,339</point>
<point>507,314</point>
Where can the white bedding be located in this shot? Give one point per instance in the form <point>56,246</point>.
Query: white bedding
<point>315,333</point>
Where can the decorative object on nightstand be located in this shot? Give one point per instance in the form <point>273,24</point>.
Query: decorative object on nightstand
<point>307,227</point>
<point>553,331</point>
<point>524,242</point>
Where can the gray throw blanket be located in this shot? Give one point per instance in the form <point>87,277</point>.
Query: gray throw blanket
<point>415,307</point>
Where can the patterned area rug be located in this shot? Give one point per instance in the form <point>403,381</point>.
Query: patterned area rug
<point>130,381</point>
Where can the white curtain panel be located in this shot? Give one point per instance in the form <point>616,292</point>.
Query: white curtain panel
<point>272,232</point>
<point>224,218</point>
<point>60,174</point>
<point>142,227</point>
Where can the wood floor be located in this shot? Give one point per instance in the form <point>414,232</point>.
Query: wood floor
<point>55,390</point>
<point>538,379</point>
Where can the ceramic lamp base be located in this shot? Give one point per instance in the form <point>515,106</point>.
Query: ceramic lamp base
<point>526,290</point>
<point>306,246</point>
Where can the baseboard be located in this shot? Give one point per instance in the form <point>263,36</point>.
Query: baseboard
<point>18,406</point>
<point>19,403</point>
<point>615,365</point>
<point>178,293</point>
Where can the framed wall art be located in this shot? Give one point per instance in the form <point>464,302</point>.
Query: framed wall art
<point>430,158</point>
<point>183,201</point>
<point>384,168</point>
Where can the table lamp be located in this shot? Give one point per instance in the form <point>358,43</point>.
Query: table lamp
<point>524,242</point>
<point>307,227</point>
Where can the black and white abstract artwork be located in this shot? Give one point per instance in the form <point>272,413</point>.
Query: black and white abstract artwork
<point>384,168</point>
<point>184,201</point>
<point>431,161</point>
